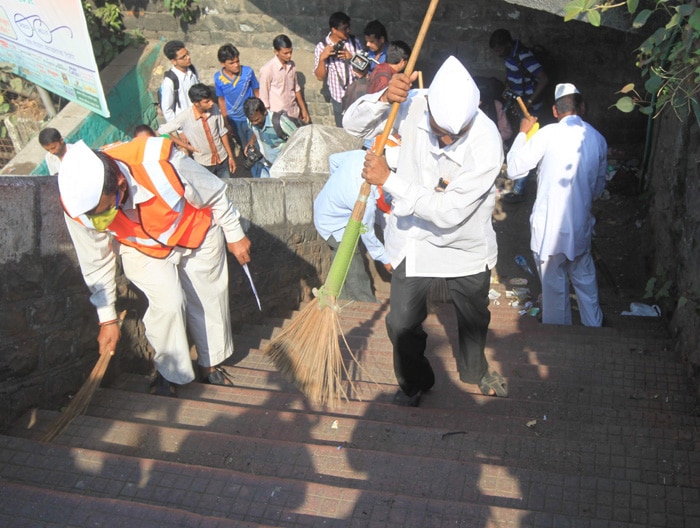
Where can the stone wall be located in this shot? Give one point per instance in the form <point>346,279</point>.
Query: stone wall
<point>598,60</point>
<point>675,217</point>
<point>47,325</point>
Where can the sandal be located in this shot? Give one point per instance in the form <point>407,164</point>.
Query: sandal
<point>493,384</point>
<point>219,377</point>
<point>162,387</point>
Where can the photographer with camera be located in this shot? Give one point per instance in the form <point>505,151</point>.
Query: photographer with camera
<point>270,139</point>
<point>332,60</point>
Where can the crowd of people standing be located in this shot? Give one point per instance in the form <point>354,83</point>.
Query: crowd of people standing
<point>161,198</point>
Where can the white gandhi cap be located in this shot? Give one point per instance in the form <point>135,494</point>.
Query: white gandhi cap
<point>453,96</point>
<point>564,89</point>
<point>80,179</point>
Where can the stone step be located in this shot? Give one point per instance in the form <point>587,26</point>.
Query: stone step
<point>378,424</point>
<point>241,497</point>
<point>462,477</point>
<point>23,505</point>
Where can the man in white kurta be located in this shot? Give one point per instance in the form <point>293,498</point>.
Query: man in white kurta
<point>443,195</point>
<point>573,163</point>
<point>186,287</point>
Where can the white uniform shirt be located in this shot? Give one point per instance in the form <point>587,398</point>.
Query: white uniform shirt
<point>440,234</point>
<point>96,250</point>
<point>167,93</point>
<point>572,172</point>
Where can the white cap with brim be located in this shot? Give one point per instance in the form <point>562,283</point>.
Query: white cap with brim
<point>564,89</point>
<point>453,96</point>
<point>80,179</point>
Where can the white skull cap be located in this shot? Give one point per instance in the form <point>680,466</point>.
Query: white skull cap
<point>80,179</point>
<point>564,89</point>
<point>453,96</point>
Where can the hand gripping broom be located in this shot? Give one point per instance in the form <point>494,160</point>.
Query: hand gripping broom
<point>81,400</point>
<point>307,351</point>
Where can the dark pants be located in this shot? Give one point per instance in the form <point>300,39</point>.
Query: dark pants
<point>338,112</point>
<point>404,325</point>
<point>221,169</point>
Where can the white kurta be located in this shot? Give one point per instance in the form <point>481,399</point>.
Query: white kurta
<point>439,234</point>
<point>572,172</point>
<point>187,289</point>
<point>573,164</point>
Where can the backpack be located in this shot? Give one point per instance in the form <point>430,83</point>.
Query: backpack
<point>170,74</point>
<point>278,127</point>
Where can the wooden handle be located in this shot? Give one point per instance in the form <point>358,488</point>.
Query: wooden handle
<point>380,144</point>
<point>359,210</point>
<point>523,107</point>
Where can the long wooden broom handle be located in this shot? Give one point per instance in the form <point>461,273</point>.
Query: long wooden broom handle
<point>523,107</point>
<point>358,211</point>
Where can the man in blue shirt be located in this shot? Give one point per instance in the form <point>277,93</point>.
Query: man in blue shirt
<point>332,210</point>
<point>234,84</point>
<point>377,42</point>
<point>271,139</point>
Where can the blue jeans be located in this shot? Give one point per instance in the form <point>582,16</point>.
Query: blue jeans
<point>220,169</point>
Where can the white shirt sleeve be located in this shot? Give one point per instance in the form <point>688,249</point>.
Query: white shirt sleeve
<point>203,189</point>
<point>97,261</point>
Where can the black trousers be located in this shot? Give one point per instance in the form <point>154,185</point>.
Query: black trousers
<point>405,327</point>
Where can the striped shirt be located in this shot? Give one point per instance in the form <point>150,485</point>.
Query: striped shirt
<point>338,72</point>
<point>522,68</point>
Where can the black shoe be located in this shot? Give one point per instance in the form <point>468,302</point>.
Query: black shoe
<point>404,400</point>
<point>219,377</point>
<point>162,387</point>
<point>513,197</point>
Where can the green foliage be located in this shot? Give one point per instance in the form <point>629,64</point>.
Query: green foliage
<point>107,32</point>
<point>669,59</point>
<point>186,10</point>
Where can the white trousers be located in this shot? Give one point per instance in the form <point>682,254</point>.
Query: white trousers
<point>186,292</point>
<point>555,273</point>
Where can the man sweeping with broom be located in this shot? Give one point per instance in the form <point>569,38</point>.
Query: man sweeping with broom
<point>440,226</point>
<point>167,217</point>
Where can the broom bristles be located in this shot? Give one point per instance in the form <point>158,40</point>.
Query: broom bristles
<point>307,353</point>
<point>81,400</point>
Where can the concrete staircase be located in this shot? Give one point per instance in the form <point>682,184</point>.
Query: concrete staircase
<point>600,430</point>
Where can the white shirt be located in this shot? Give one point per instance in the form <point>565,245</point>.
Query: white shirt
<point>53,162</point>
<point>334,204</point>
<point>440,234</point>
<point>572,172</point>
<point>97,251</point>
<point>167,93</point>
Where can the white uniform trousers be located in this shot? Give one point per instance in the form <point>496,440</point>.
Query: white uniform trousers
<point>187,291</point>
<point>554,273</point>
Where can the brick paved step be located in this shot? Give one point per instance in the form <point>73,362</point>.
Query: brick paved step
<point>22,505</point>
<point>483,481</point>
<point>604,374</point>
<point>241,496</point>
<point>555,444</point>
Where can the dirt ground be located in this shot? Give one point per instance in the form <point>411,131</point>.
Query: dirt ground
<point>621,243</point>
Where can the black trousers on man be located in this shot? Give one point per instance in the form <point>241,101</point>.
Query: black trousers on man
<point>405,327</point>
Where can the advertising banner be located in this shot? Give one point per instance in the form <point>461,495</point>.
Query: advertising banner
<point>47,42</point>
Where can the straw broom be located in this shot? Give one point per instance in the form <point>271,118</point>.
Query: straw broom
<point>80,401</point>
<point>307,351</point>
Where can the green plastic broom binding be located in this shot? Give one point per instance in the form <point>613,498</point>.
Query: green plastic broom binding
<point>329,292</point>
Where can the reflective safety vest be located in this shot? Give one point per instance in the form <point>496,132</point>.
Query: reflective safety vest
<point>167,219</point>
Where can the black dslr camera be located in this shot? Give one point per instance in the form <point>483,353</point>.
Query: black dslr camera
<point>338,47</point>
<point>252,156</point>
